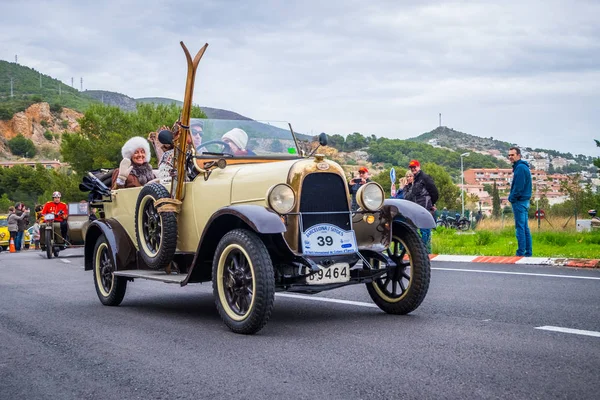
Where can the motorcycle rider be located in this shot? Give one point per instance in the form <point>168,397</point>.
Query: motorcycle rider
<point>60,211</point>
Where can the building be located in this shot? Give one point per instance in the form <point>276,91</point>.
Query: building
<point>48,164</point>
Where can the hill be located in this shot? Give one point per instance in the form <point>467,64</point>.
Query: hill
<point>21,86</point>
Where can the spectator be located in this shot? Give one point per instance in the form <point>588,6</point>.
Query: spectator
<point>520,194</point>
<point>35,234</point>
<point>13,223</point>
<point>356,183</point>
<point>404,186</point>
<point>22,224</point>
<point>425,193</point>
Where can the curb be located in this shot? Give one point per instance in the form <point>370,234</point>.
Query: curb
<point>561,262</point>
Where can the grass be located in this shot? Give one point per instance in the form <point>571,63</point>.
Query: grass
<point>497,238</point>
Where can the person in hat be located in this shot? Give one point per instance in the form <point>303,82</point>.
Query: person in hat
<point>355,184</point>
<point>135,169</point>
<point>425,193</point>
<point>60,211</point>
<point>237,140</point>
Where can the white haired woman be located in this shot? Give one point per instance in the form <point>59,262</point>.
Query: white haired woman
<point>135,169</point>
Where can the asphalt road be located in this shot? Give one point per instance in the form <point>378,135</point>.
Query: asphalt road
<point>475,336</point>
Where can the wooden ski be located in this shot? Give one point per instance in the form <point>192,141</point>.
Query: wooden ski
<point>184,122</point>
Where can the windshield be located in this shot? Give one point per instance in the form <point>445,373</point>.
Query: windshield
<point>3,222</point>
<point>243,138</point>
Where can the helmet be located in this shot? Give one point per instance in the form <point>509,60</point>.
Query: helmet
<point>56,194</point>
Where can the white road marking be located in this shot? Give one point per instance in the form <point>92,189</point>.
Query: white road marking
<point>65,261</point>
<point>518,273</point>
<point>327,300</point>
<point>569,330</point>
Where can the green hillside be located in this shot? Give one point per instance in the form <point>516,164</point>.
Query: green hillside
<point>27,90</point>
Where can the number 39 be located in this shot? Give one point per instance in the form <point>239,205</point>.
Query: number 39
<point>321,241</point>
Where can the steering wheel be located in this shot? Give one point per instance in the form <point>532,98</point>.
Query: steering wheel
<point>226,148</point>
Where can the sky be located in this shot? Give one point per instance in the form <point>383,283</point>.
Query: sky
<point>526,72</point>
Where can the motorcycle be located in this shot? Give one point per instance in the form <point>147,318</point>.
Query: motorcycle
<point>456,222</point>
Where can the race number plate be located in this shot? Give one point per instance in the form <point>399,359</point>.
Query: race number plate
<point>327,240</point>
<point>333,274</point>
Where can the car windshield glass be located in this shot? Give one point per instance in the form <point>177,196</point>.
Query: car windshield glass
<point>78,208</point>
<point>3,222</point>
<point>243,138</point>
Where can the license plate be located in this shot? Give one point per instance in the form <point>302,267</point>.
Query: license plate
<point>327,240</point>
<point>335,273</point>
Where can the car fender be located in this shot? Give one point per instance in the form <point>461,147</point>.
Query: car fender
<point>413,212</point>
<point>259,218</point>
<point>121,247</point>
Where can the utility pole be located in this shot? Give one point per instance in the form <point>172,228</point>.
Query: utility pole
<point>11,88</point>
<point>40,79</point>
<point>81,84</point>
<point>59,88</point>
<point>440,119</point>
<point>72,83</point>
<point>15,58</point>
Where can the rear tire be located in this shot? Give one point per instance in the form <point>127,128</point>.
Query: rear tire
<point>156,233</point>
<point>110,288</point>
<point>402,290</point>
<point>243,281</point>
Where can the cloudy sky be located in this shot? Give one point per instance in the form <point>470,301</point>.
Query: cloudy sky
<point>526,72</point>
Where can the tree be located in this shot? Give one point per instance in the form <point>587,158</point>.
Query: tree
<point>496,211</point>
<point>355,141</point>
<point>21,146</point>
<point>276,146</point>
<point>597,160</point>
<point>104,129</point>
<point>5,202</point>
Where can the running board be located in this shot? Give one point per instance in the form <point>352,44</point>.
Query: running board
<point>161,276</point>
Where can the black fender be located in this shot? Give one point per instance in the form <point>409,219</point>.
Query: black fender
<point>259,218</point>
<point>122,248</point>
<point>413,212</point>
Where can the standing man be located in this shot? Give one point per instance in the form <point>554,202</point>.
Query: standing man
<point>520,194</point>
<point>356,183</point>
<point>424,193</point>
<point>21,225</point>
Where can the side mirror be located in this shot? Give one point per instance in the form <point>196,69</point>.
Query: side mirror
<point>323,139</point>
<point>165,137</point>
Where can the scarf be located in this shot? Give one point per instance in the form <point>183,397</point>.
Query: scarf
<point>142,172</point>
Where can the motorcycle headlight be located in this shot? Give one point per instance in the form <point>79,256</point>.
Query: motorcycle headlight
<point>370,196</point>
<point>281,198</point>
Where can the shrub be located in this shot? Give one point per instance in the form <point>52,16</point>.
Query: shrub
<point>36,99</point>
<point>48,135</point>
<point>65,124</point>
<point>56,108</point>
<point>44,123</point>
<point>21,146</point>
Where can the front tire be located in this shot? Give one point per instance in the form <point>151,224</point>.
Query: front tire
<point>156,233</point>
<point>49,243</point>
<point>402,290</point>
<point>110,288</point>
<point>243,281</point>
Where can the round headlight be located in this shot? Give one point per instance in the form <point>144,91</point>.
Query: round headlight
<point>370,196</point>
<point>281,198</point>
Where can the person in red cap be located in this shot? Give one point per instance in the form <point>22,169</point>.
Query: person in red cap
<point>424,193</point>
<point>356,183</point>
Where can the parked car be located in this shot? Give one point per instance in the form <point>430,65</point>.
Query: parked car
<point>270,218</point>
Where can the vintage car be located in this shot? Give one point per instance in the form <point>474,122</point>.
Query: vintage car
<point>269,218</point>
<point>51,240</point>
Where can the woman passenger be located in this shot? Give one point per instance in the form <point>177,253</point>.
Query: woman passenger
<point>135,169</point>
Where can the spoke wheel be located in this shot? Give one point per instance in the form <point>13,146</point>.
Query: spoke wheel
<point>110,289</point>
<point>243,281</point>
<point>156,233</point>
<point>402,290</point>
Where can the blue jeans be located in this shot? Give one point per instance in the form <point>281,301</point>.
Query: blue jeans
<point>19,241</point>
<point>426,236</point>
<point>521,211</point>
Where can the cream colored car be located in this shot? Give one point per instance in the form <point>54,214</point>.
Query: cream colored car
<point>255,222</point>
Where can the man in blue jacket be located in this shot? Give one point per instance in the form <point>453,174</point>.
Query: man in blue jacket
<point>520,194</point>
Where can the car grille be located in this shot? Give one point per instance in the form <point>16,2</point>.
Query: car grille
<point>324,193</point>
